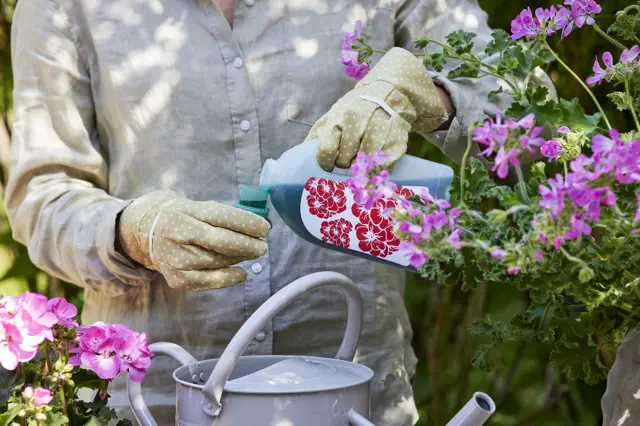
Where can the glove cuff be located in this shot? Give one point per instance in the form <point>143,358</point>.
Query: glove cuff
<point>408,75</point>
<point>130,224</point>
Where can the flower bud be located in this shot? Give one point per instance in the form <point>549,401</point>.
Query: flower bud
<point>41,416</point>
<point>497,217</point>
<point>586,274</point>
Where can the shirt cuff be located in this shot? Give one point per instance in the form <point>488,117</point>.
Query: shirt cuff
<point>118,267</point>
<point>453,142</point>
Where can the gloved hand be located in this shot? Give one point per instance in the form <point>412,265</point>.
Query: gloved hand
<point>396,97</point>
<point>620,400</point>
<point>191,243</point>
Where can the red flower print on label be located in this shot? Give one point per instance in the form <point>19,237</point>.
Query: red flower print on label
<point>376,241</point>
<point>326,197</point>
<point>336,232</point>
<point>405,192</point>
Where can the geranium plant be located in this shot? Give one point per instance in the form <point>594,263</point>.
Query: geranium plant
<point>565,227</point>
<point>56,357</point>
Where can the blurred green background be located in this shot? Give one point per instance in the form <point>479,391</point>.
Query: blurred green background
<point>527,390</point>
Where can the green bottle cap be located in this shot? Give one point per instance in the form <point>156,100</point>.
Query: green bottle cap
<point>254,200</point>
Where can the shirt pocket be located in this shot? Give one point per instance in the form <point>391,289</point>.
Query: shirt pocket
<point>314,73</point>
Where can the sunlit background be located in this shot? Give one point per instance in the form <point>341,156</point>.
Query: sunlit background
<point>526,389</point>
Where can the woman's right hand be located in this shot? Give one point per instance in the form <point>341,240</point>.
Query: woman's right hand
<point>191,243</point>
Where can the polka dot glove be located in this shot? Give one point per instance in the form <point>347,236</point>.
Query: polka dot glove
<point>192,243</point>
<point>396,97</point>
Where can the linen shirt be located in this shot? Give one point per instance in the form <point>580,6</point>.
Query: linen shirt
<point>116,99</point>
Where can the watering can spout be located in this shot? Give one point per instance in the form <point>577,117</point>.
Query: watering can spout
<point>475,412</point>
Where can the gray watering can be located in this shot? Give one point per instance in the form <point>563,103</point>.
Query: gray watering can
<point>277,390</point>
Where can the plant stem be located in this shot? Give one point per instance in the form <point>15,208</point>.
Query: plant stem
<point>63,401</point>
<point>493,71</point>
<point>522,186</point>
<point>47,358</point>
<point>630,100</point>
<point>572,258</point>
<point>379,51</point>
<point>608,37</point>
<point>584,86</point>
<point>463,165</point>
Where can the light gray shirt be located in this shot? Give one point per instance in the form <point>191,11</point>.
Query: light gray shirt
<point>115,99</point>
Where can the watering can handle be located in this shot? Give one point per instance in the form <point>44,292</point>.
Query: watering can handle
<point>134,390</point>
<point>215,385</point>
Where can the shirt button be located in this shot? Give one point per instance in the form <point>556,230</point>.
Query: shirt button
<point>260,336</point>
<point>245,125</point>
<point>237,62</point>
<point>256,268</point>
<point>249,2</point>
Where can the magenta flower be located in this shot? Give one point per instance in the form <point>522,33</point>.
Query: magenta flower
<point>353,68</point>
<point>502,161</point>
<point>601,74</point>
<point>498,253</point>
<point>582,12</point>
<point>531,141</point>
<point>64,311</point>
<point>112,349</point>
<point>37,397</point>
<point>13,348</point>
<point>525,25</point>
<point>551,150</point>
<point>539,255</point>
<point>513,271</point>
<point>454,239</point>
<point>629,56</point>
<point>417,257</point>
<point>34,320</point>
<point>553,196</point>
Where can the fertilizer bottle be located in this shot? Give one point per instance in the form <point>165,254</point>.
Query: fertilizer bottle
<point>319,207</point>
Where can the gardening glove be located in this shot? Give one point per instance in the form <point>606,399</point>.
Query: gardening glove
<point>191,243</point>
<point>396,97</point>
<point>620,402</point>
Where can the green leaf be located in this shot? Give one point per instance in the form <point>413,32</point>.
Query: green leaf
<point>495,92</point>
<point>501,41</point>
<point>7,417</point>
<point>508,65</point>
<point>627,26</point>
<point>421,43</point>
<point>438,61</point>
<point>85,378</point>
<point>574,117</point>
<point>95,421</point>
<point>579,361</point>
<point>463,71</point>
<point>481,359</point>
<point>56,419</point>
<point>619,99</point>
<point>461,41</point>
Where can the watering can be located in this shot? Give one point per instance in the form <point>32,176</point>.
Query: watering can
<point>276,390</point>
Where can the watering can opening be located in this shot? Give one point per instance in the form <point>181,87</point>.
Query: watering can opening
<point>269,374</point>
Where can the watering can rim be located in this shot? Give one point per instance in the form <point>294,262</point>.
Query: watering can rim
<point>365,375</point>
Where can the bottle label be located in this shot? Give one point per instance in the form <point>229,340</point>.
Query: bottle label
<point>330,214</point>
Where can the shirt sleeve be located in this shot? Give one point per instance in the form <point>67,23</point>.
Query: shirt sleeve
<point>56,198</point>
<point>436,19</point>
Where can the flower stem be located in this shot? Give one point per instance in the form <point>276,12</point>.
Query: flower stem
<point>572,258</point>
<point>463,165</point>
<point>492,70</point>
<point>584,86</point>
<point>608,37</point>
<point>522,186</point>
<point>379,51</point>
<point>63,401</point>
<point>630,100</point>
<point>47,358</point>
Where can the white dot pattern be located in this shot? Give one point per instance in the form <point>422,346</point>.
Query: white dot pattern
<point>194,242</point>
<point>355,124</point>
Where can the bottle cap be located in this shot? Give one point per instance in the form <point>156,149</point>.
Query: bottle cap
<point>254,200</point>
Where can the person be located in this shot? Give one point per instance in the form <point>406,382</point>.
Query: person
<point>141,118</point>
